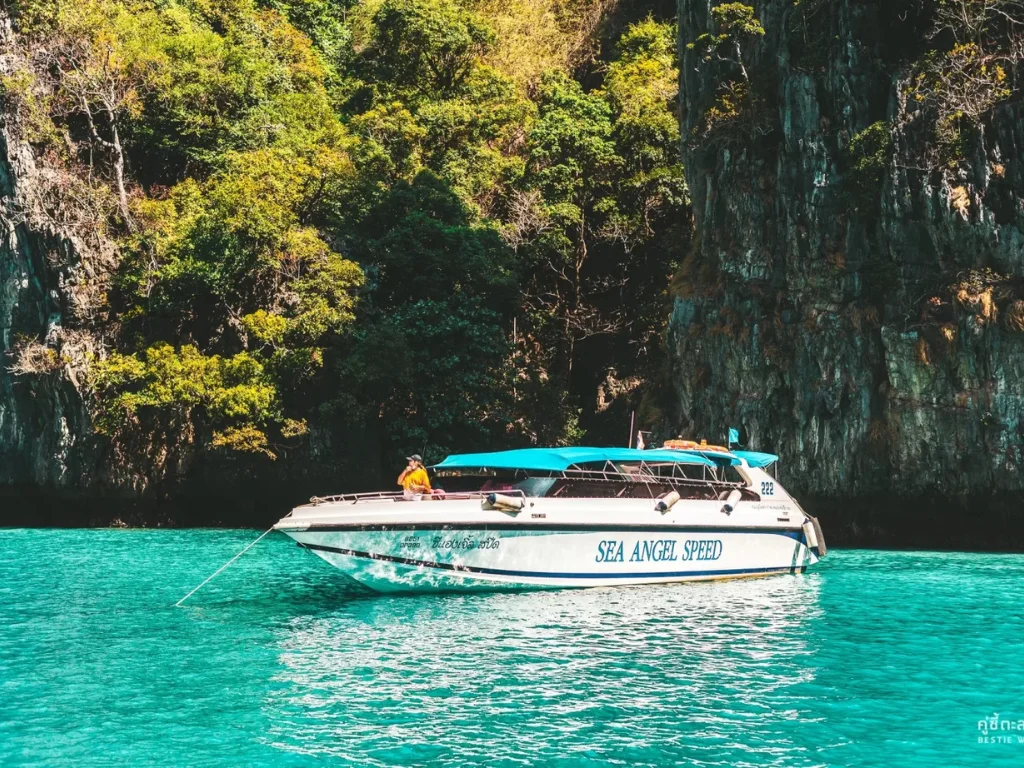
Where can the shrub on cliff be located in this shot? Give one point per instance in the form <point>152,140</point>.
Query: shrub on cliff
<point>978,44</point>
<point>868,157</point>
<point>233,396</point>
<point>737,110</point>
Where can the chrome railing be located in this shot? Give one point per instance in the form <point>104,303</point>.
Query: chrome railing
<point>644,478</point>
<point>437,495</point>
<point>585,475</point>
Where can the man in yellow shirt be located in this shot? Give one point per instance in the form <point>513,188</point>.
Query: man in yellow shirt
<point>414,479</point>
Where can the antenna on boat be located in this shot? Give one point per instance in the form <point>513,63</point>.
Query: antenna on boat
<point>223,567</point>
<point>629,440</point>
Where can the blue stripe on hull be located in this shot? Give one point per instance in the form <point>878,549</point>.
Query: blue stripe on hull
<point>545,528</point>
<point>544,574</point>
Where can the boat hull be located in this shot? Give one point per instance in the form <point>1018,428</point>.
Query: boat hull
<point>419,557</point>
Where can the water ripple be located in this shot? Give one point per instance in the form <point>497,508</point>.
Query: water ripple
<point>875,657</point>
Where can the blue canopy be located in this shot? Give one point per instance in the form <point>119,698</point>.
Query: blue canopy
<point>558,459</point>
<point>757,459</point>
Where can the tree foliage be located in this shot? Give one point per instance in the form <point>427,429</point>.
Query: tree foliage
<point>737,111</point>
<point>978,44</point>
<point>425,49</point>
<point>341,213</point>
<point>734,24</point>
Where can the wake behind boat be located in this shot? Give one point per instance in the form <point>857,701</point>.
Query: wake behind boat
<point>567,517</point>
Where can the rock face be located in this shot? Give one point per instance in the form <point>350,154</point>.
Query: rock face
<point>43,419</point>
<point>854,329</point>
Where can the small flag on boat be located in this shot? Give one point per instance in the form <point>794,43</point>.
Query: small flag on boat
<point>734,436</point>
<point>640,441</point>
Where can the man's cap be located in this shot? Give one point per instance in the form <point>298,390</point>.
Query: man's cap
<point>414,457</point>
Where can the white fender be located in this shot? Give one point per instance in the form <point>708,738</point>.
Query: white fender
<point>666,502</point>
<point>731,501</point>
<point>504,503</point>
<point>810,535</point>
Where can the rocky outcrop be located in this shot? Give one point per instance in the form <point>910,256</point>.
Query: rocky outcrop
<point>56,263</point>
<point>864,328</point>
<point>44,283</point>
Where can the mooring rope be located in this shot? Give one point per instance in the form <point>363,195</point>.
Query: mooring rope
<point>229,562</point>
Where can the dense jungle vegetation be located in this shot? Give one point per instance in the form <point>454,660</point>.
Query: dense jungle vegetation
<point>452,222</point>
<point>437,225</point>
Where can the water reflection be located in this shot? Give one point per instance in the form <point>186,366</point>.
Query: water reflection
<point>874,657</point>
<point>645,675</point>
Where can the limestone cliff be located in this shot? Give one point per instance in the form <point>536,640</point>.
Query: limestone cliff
<point>43,291</point>
<point>847,302</point>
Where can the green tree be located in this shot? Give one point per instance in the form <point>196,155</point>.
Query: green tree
<point>735,110</point>
<point>325,22</point>
<point>109,56</point>
<point>256,83</point>
<point>375,216</point>
<point>433,377</point>
<point>211,253</point>
<point>425,47</point>
<point>429,101</point>
<point>423,244</point>
<point>572,162</point>
<point>441,292</point>
<point>232,271</point>
<point>735,24</point>
<point>234,396</point>
<point>642,85</point>
<point>602,217</point>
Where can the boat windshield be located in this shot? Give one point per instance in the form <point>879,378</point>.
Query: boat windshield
<point>496,481</point>
<point>535,486</point>
<point>596,479</point>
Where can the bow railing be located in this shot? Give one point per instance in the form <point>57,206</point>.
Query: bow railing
<point>437,495</point>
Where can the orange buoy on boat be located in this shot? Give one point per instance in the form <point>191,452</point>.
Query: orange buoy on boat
<point>692,445</point>
<point>680,445</point>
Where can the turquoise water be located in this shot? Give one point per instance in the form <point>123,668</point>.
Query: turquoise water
<point>877,657</point>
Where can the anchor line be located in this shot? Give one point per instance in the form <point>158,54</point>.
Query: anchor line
<point>223,567</point>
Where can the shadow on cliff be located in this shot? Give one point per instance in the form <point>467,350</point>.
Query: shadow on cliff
<point>923,521</point>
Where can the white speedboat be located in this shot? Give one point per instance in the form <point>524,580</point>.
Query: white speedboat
<point>567,517</point>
